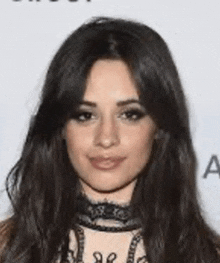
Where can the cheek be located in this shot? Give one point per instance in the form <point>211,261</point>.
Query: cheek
<point>78,142</point>
<point>76,138</point>
<point>139,145</point>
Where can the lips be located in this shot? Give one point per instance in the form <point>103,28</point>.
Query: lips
<point>102,163</point>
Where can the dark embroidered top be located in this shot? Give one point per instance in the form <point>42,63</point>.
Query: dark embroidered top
<point>88,213</point>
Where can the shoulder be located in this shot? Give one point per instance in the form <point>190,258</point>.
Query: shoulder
<point>6,231</point>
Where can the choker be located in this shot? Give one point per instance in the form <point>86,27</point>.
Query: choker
<point>88,212</point>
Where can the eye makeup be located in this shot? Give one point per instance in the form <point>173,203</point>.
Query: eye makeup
<point>133,114</point>
<point>128,110</point>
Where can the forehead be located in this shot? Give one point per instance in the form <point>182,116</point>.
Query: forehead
<point>110,79</point>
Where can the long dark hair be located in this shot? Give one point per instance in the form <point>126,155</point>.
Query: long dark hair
<point>43,184</point>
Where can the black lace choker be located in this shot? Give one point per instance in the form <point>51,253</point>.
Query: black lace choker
<point>88,212</point>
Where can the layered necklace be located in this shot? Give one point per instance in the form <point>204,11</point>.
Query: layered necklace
<point>90,214</point>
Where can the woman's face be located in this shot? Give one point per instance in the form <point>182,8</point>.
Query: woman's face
<point>109,141</point>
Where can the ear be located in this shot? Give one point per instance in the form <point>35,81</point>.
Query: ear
<point>63,133</point>
<point>159,134</point>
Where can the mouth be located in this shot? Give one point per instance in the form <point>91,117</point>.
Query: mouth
<point>109,163</point>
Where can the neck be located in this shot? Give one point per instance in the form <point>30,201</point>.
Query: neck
<point>121,196</point>
<point>105,215</point>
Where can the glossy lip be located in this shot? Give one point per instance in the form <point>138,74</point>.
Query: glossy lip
<point>105,164</point>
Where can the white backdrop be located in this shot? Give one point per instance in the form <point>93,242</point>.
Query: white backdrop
<point>32,30</point>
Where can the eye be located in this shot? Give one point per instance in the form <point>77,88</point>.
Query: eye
<point>133,115</point>
<point>83,116</point>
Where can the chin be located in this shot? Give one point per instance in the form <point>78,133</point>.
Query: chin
<point>110,187</point>
<point>107,189</point>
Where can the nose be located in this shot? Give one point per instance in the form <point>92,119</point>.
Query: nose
<point>107,133</point>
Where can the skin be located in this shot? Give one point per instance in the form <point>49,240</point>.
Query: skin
<point>108,128</point>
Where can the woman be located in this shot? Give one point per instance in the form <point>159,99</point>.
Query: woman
<point>107,172</point>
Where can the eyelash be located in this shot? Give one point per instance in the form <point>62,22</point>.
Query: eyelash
<point>132,115</point>
<point>139,114</point>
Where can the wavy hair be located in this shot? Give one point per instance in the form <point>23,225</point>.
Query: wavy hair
<point>43,185</point>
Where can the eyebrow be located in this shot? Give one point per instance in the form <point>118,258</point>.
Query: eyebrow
<point>119,103</point>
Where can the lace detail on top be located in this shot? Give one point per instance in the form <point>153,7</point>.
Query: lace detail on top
<point>89,212</point>
<point>105,233</point>
<point>98,257</point>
